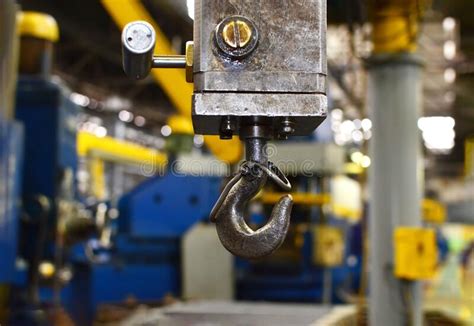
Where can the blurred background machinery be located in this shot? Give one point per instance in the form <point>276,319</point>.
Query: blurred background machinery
<point>320,260</point>
<point>11,159</point>
<point>57,212</point>
<point>105,190</point>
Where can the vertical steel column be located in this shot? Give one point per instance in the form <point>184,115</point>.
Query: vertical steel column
<point>394,100</point>
<point>8,57</point>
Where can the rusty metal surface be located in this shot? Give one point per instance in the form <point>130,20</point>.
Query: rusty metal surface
<point>284,76</point>
<point>292,41</point>
<point>262,81</point>
<point>237,237</point>
<point>307,111</point>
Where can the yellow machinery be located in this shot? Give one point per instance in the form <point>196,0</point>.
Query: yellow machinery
<point>38,33</point>
<point>38,25</point>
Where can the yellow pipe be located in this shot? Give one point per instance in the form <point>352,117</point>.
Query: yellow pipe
<point>298,198</point>
<point>432,211</point>
<point>96,167</point>
<point>395,25</point>
<point>99,150</point>
<point>172,81</point>
<point>311,199</point>
<point>110,149</point>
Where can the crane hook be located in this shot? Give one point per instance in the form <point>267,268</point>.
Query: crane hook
<point>228,212</point>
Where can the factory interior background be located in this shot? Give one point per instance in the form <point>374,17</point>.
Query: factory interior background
<point>236,162</point>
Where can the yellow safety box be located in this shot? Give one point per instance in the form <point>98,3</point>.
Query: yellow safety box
<point>415,253</point>
<point>328,246</point>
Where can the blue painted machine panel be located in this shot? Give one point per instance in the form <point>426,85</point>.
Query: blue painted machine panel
<point>11,160</point>
<point>50,137</point>
<point>167,206</point>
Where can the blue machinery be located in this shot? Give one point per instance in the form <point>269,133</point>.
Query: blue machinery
<point>49,150</point>
<point>143,260</point>
<point>11,138</point>
<point>292,275</point>
<point>321,258</point>
<point>11,142</point>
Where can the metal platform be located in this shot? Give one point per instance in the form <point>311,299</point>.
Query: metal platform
<point>239,313</point>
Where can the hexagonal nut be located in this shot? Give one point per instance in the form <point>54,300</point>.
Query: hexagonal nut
<point>189,61</point>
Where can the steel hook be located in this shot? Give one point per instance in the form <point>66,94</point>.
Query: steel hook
<point>228,213</point>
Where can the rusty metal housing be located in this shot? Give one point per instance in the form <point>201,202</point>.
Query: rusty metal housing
<point>283,78</point>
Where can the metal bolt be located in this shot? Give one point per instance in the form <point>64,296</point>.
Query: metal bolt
<point>227,128</point>
<point>237,34</point>
<point>236,37</point>
<point>286,129</point>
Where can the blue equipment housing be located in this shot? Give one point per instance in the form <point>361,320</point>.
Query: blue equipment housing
<point>49,119</point>
<point>145,261</point>
<point>11,161</point>
<point>35,150</point>
<point>166,207</point>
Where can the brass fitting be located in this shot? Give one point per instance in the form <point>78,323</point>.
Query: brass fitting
<point>189,61</point>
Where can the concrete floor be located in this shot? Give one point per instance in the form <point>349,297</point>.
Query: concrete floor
<point>452,291</point>
<point>239,314</point>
